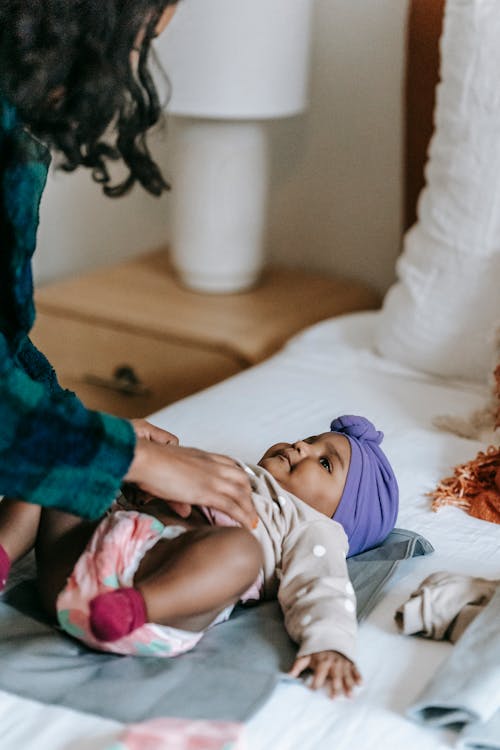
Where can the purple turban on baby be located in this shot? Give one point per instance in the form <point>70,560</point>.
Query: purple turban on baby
<point>369,504</point>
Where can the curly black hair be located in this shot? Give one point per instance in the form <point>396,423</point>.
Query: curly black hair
<point>78,73</point>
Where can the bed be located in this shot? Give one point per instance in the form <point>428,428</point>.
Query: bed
<point>329,369</point>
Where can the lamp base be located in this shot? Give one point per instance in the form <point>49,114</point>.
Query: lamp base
<point>217,283</point>
<point>219,200</point>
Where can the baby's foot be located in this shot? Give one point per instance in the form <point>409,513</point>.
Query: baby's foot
<point>116,614</point>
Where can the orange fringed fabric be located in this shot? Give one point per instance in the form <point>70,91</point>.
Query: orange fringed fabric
<point>497,381</point>
<point>474,487</point>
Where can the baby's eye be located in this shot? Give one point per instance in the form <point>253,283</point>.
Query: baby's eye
<point>325,463</point>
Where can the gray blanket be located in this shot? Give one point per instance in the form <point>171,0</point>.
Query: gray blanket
<point>227,676</point>
<point>466,688</point>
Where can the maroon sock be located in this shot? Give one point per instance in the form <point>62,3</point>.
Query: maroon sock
<point>4,568</point>
<point>116,614</point>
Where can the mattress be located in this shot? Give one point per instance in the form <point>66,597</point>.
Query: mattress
<point>327,370</point>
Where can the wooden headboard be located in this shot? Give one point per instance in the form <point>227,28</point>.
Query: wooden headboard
<point>422,74</point>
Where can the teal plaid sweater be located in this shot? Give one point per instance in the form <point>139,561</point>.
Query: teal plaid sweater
<point>53,451</point>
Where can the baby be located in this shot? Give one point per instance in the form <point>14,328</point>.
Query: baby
<point>150,582</point>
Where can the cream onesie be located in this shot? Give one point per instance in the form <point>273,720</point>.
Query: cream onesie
<point>305,567</point>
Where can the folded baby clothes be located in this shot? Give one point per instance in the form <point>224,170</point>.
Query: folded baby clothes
<point>444,605</point>
<point>466,687</point>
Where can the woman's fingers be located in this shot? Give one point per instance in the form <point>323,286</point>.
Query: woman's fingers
<point>182,509</point>
<point>228,489</point>
<point>232,497</point>
<point>193,477</point>
<point>147,431</point>
<point>220,458</point>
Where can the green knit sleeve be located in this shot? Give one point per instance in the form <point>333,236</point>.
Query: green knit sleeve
<point>53,451</point>
<point>36,365</point>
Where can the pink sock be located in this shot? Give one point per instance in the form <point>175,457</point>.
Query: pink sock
<point>116,614</point>
<point>4,568</point>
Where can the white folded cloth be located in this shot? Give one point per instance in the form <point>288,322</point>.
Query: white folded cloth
<point>466,688</point>
<point>444,605</point>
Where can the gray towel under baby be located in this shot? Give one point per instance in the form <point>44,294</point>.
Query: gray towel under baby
<point>227,676</point>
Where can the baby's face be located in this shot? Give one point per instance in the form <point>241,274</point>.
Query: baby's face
<point>314,469</point>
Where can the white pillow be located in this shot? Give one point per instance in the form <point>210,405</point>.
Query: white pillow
<point>441,314</point>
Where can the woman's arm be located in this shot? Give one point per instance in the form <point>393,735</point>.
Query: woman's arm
<point>53,451</point>
<point>56,453</point>
<point>36,365</point>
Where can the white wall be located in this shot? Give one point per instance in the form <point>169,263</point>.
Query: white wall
<point>82,229</point>
<point>336,172</point>
<point>337,202</point>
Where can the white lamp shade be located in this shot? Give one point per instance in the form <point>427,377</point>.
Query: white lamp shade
<point>238,60</point>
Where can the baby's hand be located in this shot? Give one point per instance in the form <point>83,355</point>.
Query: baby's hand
<point>330,669</point>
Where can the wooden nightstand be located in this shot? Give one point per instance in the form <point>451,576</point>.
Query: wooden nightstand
<point>164,342</point>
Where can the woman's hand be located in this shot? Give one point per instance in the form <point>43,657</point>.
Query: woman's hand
<point>134,496</point>
<point>148,431</point>
<point>188,476</point>
<point>330,669</point>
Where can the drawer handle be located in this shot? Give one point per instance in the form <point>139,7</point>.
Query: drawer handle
<point>124,380</point>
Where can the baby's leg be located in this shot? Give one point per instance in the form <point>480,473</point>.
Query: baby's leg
<point>18,529</point>
<point>185,583</point>
<point>61,540</point>
<point>207,570</point>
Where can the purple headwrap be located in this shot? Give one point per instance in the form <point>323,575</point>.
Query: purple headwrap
<point>368,507</point>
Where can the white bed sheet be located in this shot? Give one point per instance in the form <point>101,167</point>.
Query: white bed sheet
<point>327,370</point>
